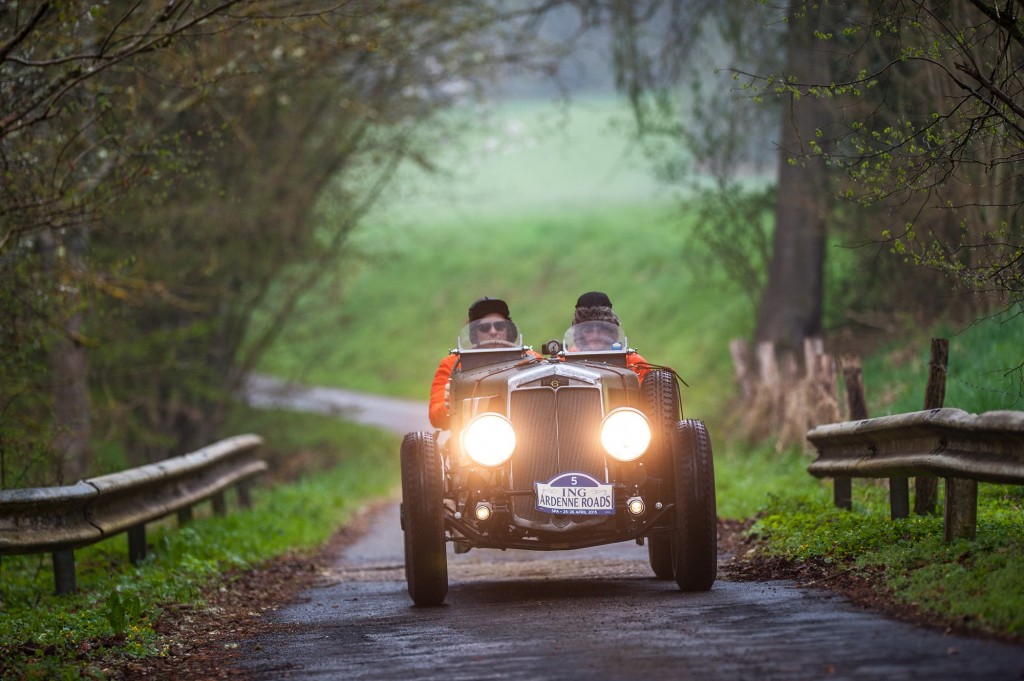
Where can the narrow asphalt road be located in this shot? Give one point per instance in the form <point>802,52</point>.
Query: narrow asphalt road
<point>400,416</point>
<point>591,614</point>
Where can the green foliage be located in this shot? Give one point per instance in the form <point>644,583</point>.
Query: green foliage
<point>118,605</point>
<point>748,476</point>
<point>168,207</point>
<point>24,401</point>
<point>977,583</point>
<point>920,153</point>
<point>122,609</point>
<point>984,371</point>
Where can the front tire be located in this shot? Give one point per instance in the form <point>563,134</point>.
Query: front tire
<point>426,563</point>
<point>695,542</point>
<point>661,393</point>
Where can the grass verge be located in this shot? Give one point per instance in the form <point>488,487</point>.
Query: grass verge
<point>118,607</point>
<point>974,586</point>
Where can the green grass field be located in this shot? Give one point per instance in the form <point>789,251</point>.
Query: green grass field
<point>536,216</point>
<point>401,314</point>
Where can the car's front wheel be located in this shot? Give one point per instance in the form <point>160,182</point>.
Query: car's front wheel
<point>661,394</point>
<point>426,564</point>
<point>695,542</point>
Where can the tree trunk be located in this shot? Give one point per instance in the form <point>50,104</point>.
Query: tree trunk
<point>791,305</point>
<point>68,368</point>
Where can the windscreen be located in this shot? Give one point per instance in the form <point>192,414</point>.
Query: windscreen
<point>594,337</point>
<point>490,334</point>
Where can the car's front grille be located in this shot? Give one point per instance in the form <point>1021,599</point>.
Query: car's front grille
<point>557,431</point>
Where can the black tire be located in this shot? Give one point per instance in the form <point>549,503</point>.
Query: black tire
<point>426,563</point>
<point>661,394</point>
<point>695,545</point>
<point>659,553</point>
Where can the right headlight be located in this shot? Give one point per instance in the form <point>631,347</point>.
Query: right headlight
<point>489,439</point>
<point>625,434</point>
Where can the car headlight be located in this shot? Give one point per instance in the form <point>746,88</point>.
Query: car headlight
<point>489,439</point>
<point>625,434</point>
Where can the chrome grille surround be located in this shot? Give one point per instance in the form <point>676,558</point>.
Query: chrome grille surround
<point>556,411</point>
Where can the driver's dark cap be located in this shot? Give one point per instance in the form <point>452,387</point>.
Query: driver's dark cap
<point>594,299</point>
<point>594,307</point>
<point>485,306</point>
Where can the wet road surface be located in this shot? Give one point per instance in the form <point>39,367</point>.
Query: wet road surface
<point>590,614</point>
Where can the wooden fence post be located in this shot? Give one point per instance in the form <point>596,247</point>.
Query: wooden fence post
<point>220,506</point>
<point>926,488</point>
<point>137,543</point>
<point>64,571</point>
<point>899,498</point>
<point>961,516</point>
<point>842,488</point>
<point>899,490</point>
<point>244,494</point>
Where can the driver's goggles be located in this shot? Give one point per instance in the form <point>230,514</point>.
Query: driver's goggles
<point>498,326</point>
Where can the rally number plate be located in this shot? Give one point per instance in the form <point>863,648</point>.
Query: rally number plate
<point>575,494</point>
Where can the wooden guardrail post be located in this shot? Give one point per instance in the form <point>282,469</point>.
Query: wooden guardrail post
<point>244,488</point>
<point>220,506</point>
<point>899,488</point>
<point>856,406</point>
<point>137,543</point>
<point>926,489</point>
<point>64,571</point>
<point>899,498</point>
<point>960,520</point>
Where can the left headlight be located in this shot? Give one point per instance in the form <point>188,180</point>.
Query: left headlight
<point>625,434</point>
<point>489,439</point>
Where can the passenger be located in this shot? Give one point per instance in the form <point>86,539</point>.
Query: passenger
<point>489,326</point>
<point>595,306</point>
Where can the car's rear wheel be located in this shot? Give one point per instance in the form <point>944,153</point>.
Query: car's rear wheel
<point>659,553</point>
<point>426,564</point>
<point>695,541</point>
<point>661,393</point>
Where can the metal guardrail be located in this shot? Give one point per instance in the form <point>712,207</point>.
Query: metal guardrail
<point>949,443</point>
<point>60,519</point>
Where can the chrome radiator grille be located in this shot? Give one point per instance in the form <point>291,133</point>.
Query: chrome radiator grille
<point>557,431</point>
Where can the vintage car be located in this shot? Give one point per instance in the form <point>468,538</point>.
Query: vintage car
<point>564,451</point>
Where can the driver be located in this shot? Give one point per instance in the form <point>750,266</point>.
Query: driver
<point>489,326</point>
<point>492,331</point>
<point>595,306</point>
<point>596,336</point>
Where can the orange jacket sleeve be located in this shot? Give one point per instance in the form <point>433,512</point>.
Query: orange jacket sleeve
<point>637,363</point>
<point>439,389</point>
<point>438,408</point>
